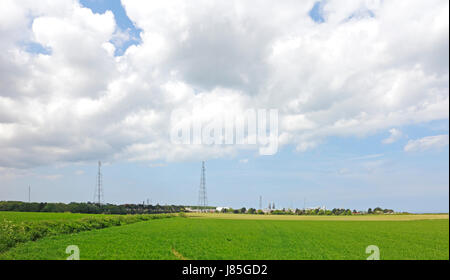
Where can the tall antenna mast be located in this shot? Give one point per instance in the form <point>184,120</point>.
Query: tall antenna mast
<point>99,188</point>
<point>202,198</point>
<point>29,193</point>
<point>260,202</point>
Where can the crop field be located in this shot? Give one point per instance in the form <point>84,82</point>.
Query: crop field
<point>407,217</point>
<point>205,237</point>
<point>30,216</point>
<point>20,227</point>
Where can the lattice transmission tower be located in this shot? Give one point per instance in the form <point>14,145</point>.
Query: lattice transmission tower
<point>202,197</point>
<point>98,195</point>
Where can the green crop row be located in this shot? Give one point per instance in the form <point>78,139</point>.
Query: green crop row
<point>227,239</point>
<point>12,233</point>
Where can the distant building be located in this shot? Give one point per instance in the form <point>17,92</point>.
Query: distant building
<point>317,208</point>
<point>222,208</point>
<point>200,210</point>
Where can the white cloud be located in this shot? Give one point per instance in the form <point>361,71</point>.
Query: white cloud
<point>394,137</point>
<point>427,143</point>
<point>349,76</point>
<point>245,160</point>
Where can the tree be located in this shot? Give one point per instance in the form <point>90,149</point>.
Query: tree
<point>251,211</point>
<point>243,210</point>
<point>378,210</point>
<point>370,211</point>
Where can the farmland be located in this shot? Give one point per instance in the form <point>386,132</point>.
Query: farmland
<point>31,216</point>
<point>20,227</point>
<point>408,217</point>
<point>204,236</point>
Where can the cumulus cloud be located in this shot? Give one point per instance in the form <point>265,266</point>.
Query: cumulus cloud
<point>369,66</point>
<point>427,143</point>
<point>394,137</point>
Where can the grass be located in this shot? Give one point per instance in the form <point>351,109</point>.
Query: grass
<point>213,238</point>
<point>19,227</point>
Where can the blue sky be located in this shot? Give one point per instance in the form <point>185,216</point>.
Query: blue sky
<point>354,173</point>
<point>316,12</point>
<point>122,20</point>
<point>342,88</point>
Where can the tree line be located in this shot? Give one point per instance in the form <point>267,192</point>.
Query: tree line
<point>88,208</point>
<point>309,212</point>
<point>95,208</point>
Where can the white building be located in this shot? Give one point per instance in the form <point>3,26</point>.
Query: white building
<point>317,208</point>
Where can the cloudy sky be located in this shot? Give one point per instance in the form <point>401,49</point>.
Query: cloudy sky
<point>361,87</point>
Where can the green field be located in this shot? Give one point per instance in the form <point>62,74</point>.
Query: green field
<point>240,237</point>
<point>21,227</point>
<point>30,216</point>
